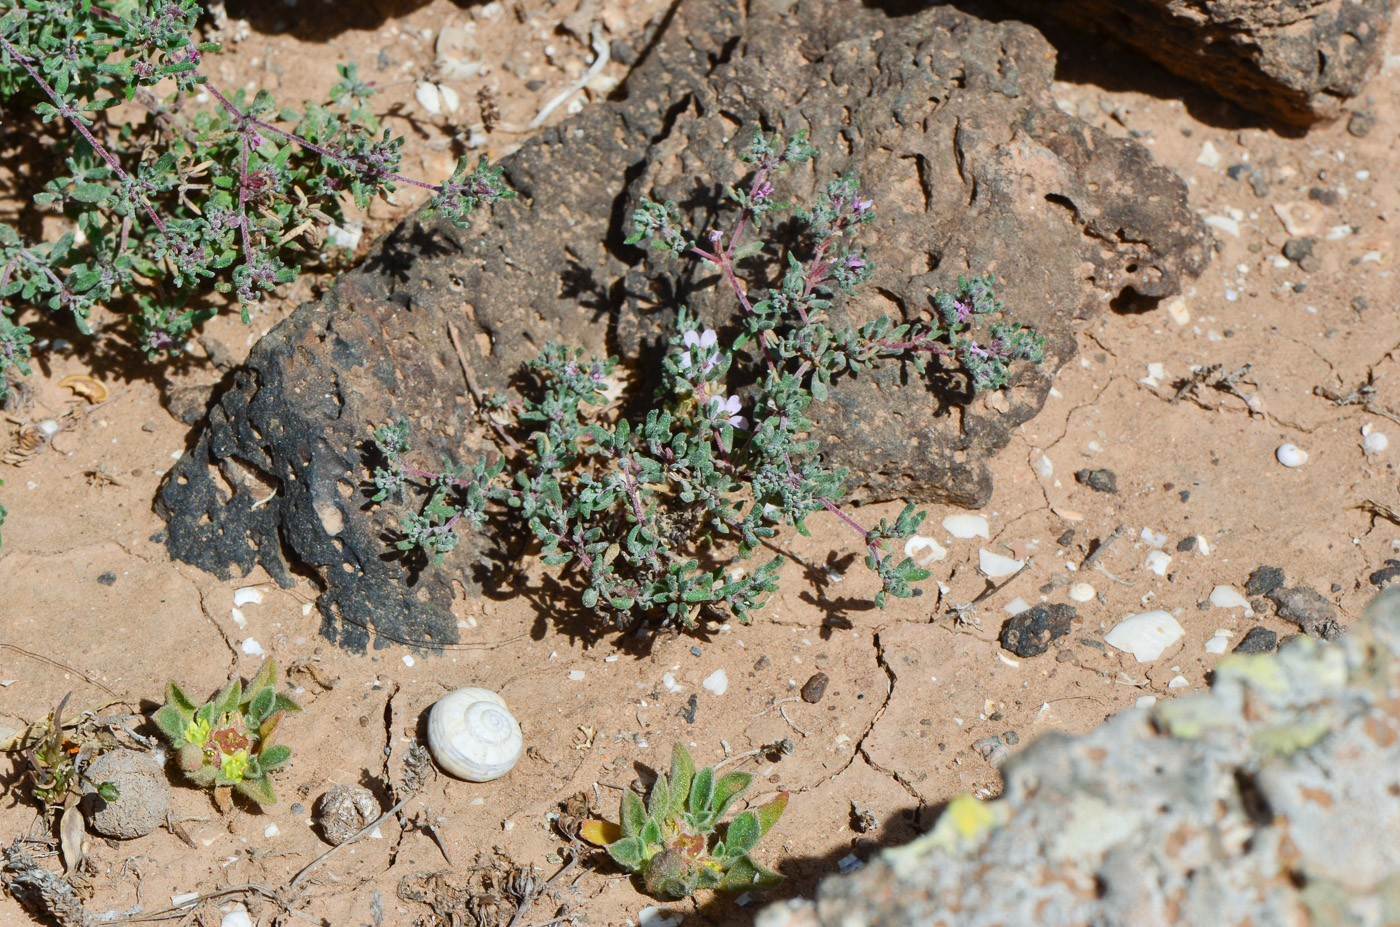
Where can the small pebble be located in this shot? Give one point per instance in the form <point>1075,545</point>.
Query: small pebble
<point>108,579</point>
<point>428,97</point>
<point>1264,580</point>
<point>1145,701</point>
<point>1101,480</point>
<point>407,660</point>
<point>849,863</point>
<point>1146,635</point>
<point>49,427</point>
<point>966,526</point>
<point>1178,682</point>
<point>1029,634</point>
<point>1373,442</point>
<point>1291,455</point>
<point>1259,640</point>
<point>814,688</point>
<point>576,675</point>
<point>271,830</point>
<point>717,682</point>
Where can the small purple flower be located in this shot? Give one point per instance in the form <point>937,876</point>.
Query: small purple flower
<point>762,192</point>
<point>855,262</point>
<point>859,205</point>
<point>729,409</point>
<point>716,235</point>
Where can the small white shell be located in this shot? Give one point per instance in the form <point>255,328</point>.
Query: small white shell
<point>1291,455</point>
<point>473,735</point>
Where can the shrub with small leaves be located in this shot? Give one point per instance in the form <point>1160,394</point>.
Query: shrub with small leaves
<point>629,507</point>
<point>227,741</point>
<point>165,201</point>
<point>676,842</point>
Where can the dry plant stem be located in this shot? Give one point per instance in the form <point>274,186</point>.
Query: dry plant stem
<point>1099,551</point>
<point>64,666</point>
<point>529,900</point>
<point>476,391</point>
<point>368,828</point>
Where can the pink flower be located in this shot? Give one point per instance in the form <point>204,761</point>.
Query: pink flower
<point>729,408</point>
<point>702,344</point>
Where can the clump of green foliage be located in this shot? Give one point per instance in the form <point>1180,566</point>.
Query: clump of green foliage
<point>56,764</point>
<point>676,841</point>
<point>625,506</point>
<point>171,191</point>
<point>227,741</point>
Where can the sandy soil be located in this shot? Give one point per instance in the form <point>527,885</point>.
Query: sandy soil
<point>92,605</point>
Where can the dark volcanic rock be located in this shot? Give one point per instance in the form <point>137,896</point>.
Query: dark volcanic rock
<point>1259,640</point>
<point>948,120</point>
<point>1098,480</point>
<point>1293,60</point>
<point>1264,580</point>
<point>1306,608</point>
<point>1029,634</point>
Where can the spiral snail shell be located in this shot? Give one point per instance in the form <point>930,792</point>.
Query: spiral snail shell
<point>473,736</point>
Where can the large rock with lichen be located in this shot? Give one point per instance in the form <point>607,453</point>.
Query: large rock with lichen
<point>949,122</point>
<point>1272,799</point>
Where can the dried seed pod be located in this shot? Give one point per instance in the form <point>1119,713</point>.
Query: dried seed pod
<point>343,811</point>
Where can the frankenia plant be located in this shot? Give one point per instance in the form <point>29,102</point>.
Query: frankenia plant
<point>183,192</point>
<point>626,507</point>
<point>676,841</point>
<point>227,742</point>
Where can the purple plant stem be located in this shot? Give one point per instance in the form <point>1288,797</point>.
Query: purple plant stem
<point>71,115</point>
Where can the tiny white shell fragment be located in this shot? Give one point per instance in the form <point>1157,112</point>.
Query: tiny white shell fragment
<point>1016,606</point>
<point>184,898</point>
<point>669,681</point>
<point>345,237</point>
<point>966,526</point>
<point>1224,224</point>
<point>1373,442</point>
<point>1202,545</point>
<point>242,597</point>
<point>1179,313</point>
<point>252,648</point>
<point>576,675</point>
<point>1008,661</point>
<point>995,565</point>
<point>717,682</point>
<point>1219,642</point>
<point>306,608</point>
<point>1178,682</point>
<point>1291,455</point>
<point>238,618</point>
<point>428,97</point>
<point>1044,467</point>
<point>657,916</point>
<point>1145,635</point>
<point>238,916</point>
<point>49,427</point>
<point>1145,701</point>
<point>1158,561</point>
<point>924,550</point>
<point>408,660</point>
<point>1156,539</point>
<point>1082,592</point>
<point>1228,597</point>
<point>449,98</point>
<point>271,830</point>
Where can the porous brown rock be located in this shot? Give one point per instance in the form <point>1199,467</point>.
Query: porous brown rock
<point>948,120</point>
<point>1296,61</point>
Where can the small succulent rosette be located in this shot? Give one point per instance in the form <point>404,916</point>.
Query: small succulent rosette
<point>676,842</point>
<point>227,741</point>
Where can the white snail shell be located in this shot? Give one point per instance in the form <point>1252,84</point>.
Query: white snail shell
<point>473,735</point>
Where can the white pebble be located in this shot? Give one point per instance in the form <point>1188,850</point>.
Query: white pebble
<point>1228,597</point>
<point>1158,561</point>
<point>1145,701</point>
<point>1081,592</point>
<point>271,830</point>
<point>237,917</point>
<point>1219,642</point>
<point>669,681</point>
<point>1291,455</point>
<point>247,594</point>
<point>966,526</point>
<point>49,427</point>
<point>253,649</point>
<point>1208,156</point>
<point>428,97</point>
<point>657,916</point>
<point>1178,682</point>
<point>1145,635</point>
<point>924,550</point>
<point>1178,312</point>
<point>407,660</point>
<point>575,675</point>
<point>717,682</point>
<point>1156,539</point>
<point>1225,224</point>
<point>995,565</point>
<point>1373,442</point>
<point>1044,467</point>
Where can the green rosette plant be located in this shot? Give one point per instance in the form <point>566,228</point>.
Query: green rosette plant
<point>226,743</point>
<point>675,840</point>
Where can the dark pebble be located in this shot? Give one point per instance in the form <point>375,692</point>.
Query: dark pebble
<point>1324,196</point>
<point>1264,580</point>
<point>1011,738</point>
<point>298,808</point>
<point>1065,539</point>
<point>814,688</point>
<point>622,52</point>
<point>992,750</point>
<point>1386,573</point>
<point>1361,123</point>
<point>1236,171</point>
<point>1260,182</point>
<point>994,716</point>
<point>1184,495</point>
<point>108,579</point>
<point>1186,544</point>
<point>1259,640</point>
<point>1090,642</point>
<point>1296,249</point>
<point>1307,608</point>
<point>1359,304</point>
<point>1098,480</point>
<point>695,651</point>
<point>688,712</point>
<point>762,663</point>
<point>1029,634</point>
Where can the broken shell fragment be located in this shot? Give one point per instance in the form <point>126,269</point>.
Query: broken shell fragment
<point>995,565</point>
<point>966,526</point>
<point>1146,635</point>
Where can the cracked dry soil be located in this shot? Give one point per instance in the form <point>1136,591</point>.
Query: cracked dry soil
<point>1185,402</point>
